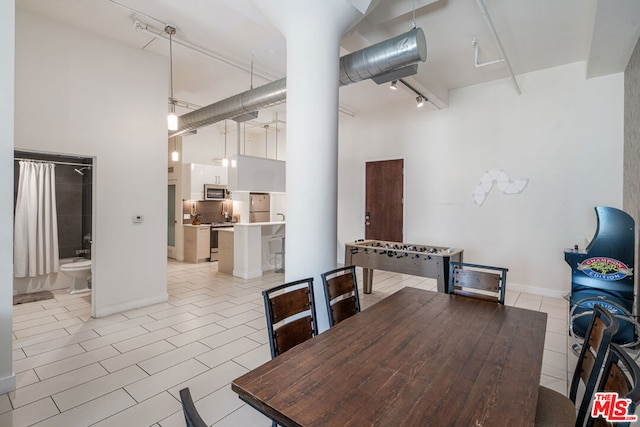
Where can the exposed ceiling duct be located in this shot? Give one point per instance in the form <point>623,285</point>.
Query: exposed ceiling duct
<point>384,58</point>
<point>377,61</point>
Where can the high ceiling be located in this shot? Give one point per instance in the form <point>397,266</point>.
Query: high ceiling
<point>231,34</point>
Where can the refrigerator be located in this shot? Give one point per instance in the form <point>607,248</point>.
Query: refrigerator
<point>259,207</point>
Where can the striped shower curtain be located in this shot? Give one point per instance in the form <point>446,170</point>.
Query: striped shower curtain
<point>35,238</point>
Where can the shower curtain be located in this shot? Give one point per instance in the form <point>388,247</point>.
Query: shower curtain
<point>35,238</point>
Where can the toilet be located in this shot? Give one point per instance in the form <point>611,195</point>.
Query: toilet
<point>80,272</point>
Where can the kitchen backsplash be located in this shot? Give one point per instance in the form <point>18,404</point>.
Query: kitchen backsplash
<point>210,210</point>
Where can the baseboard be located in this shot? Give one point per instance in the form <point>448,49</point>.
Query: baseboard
<point>131,305</point>
<point>7,384</point>
<point>247,274</point>
<point>553,293</point>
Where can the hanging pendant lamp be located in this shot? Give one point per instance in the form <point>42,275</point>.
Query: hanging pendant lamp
<point>225,161</point>
<point>172,119</point>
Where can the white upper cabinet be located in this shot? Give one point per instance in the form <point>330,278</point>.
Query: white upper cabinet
<point>215,175</point>
<point>196,175</point>
<point>257,174</point>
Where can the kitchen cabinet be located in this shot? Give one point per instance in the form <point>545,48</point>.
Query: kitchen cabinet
<point>257,174</point>
<point>215,175</point>
<point>196,175</point>
<point>197,246</point>
<point>225,248</point>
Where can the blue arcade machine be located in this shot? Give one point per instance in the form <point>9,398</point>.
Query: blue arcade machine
<point>603,274</point>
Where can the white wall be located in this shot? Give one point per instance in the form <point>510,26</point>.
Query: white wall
<point>564,133</point>
<point>208,143</point>
<point>7,27</point>
<point>79,93</point>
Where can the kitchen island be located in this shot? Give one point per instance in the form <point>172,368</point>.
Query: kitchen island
<point>251,255</point>
<point>225,250</point>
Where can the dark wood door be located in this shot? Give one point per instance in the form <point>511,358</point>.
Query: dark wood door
<point>384,200</point>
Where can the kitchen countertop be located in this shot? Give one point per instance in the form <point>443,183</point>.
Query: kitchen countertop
<point>219,225</point>
<point>259,224</point>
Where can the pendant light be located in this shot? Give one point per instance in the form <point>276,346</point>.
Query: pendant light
<point>225,161</point>
<point>175,155</point>
<point>172,119</point>
<point>266,141</point>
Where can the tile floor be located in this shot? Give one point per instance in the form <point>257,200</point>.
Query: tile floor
<point>127,369</point>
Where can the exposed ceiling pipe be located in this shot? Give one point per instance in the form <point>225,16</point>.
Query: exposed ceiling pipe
<point>485,13</point>
<point>384,57</point>
<point>376,60</point>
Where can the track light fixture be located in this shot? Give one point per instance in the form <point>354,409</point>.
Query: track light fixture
<point>394,85</point>
<point>420,99</point>
<point>172,119</point>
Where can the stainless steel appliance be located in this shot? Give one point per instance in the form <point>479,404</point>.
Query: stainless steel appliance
<point>259,207</point>
<point>214,238</point>
<point>215,192</point>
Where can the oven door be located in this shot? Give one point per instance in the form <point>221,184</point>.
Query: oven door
<point>214,244</point>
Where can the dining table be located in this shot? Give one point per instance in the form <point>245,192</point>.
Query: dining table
<point>415,358</point>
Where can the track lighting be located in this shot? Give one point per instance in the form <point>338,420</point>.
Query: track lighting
<point>420,99</point>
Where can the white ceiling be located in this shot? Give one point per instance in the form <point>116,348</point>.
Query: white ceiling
<point>536,34</point>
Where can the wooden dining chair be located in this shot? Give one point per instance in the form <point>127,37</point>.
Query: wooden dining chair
<point>555,409</point>
<point>291,315</point>
<point>478,281</point>
<point>191,415</point>
<point>341,293</point>
<point>621,374</point>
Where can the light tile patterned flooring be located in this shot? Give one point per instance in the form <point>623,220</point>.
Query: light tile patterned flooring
<point>126,369</point>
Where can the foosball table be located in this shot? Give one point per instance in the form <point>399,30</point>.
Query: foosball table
<point>405,258</point>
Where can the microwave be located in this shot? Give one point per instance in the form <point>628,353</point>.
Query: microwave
<point>215,192</point>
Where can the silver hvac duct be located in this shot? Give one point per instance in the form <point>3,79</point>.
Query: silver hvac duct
<point>377,60</point>
<point>384,57</point>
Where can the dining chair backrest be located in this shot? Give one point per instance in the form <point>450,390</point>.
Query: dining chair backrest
<point>620,375</point>
<point>191,415</point>
<point>478,281</point>
<point>291,315</point>
<point>602,327</point>
<point>341,293</point>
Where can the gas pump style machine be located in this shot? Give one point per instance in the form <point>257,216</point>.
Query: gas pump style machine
<point>603,274</point>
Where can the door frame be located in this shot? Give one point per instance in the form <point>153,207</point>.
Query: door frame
<point>364,190</point>
<point>177,250</point>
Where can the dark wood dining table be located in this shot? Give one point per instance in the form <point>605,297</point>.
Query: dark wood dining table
<point>416,358</point>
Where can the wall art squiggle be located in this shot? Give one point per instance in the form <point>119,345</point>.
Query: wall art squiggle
<point>497,177</point>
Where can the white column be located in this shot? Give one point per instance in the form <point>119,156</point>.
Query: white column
<point>7,62</point>
<point>313,30</point>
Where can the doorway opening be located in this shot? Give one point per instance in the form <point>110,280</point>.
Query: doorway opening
<point>72,187</point>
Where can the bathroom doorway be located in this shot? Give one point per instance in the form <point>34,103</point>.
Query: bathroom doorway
<point>73,190</point>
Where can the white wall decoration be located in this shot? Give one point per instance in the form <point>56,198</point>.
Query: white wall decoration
<point>505,184</point>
